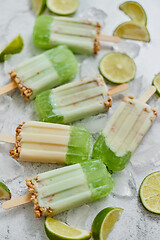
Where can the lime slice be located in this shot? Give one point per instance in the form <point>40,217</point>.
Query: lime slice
<point>135,11</point>
<point>117,67</point>
<point>12,48</point>
<point>132,30</point>
<point>104,222</point>
<point>63,7</point>
<point>150,192</point>
<point>4,191</point>
<point>156,83</point>
<point>38,6</point>
<point>59,230</point>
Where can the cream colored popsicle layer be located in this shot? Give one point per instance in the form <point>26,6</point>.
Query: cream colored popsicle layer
<point>51,143</point>
<point>124,132</point>
<point>74,101</point>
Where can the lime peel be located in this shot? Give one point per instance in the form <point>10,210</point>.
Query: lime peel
<point>132,30</point>
<point>134,11</point>
<point>4,191</point>
<point>63,7</point>
<point>13,47</point>
<point>57,230</point>
<point>150,192</point>
<point>156,83</point>
<point>117,67</point>
<point>104,222</point>
<point>38,6</point>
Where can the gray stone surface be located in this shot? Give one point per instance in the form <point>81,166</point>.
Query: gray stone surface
<point>135,222</point>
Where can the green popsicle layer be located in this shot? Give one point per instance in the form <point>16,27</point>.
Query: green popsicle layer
<point>99,180</point>
<point>79,145</point>
<point>44,108</point>
<point>113,162</point>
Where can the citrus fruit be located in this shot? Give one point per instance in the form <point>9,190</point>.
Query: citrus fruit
<point>117,67</point>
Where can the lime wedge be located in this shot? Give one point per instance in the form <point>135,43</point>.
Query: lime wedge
<point>135,11</point>
<point>104,222</point>
<point>4,191</point>
<point>38,6</point>
<point>156,83</point>
<point>63,7</point>
<point>150,192</point>
<point>12,48</point>
<point>59,230</point>
<point>117,67</point>
<point>132,30</point>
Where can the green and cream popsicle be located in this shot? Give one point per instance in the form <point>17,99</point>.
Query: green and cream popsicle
<point>45,71</point>
<point>79,35</point>
<point>51,143</point>
<point>58,190</point>
<point>74,101</point>
<point>123,133</point>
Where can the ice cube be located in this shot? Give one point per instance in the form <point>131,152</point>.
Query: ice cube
<point>94,14</point>
<point>125,185</point>
<point>130,48</point>
<point>77,217</point>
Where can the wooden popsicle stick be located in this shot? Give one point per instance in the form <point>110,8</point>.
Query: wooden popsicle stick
<point>106,38</point>
<point>7,138</point>
<point>118,89</point>
<point>8,88</point>
<point>147,94</point>
<point>16,202</point>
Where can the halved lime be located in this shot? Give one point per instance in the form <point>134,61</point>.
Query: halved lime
<point>150,192</point>
<point>59,231</point>
<point>156,83</point>
<point>117,67</point>
<point>4,191</point>
<point>132,30</point>
<point>12,48</point>
<point>104,222</point>
<point>38,6</point>
<point>63,7</point>
<point>135,11</point>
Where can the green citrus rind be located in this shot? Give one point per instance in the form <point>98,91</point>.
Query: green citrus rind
<point>153,192</point>
<point>4,191</point>
<point>132,30</point>
<point>38,6</point>
<point>51,226</point>
<point>13,47</point>
<point>61,11</point>
<point>156,83</point>
<point>102,224</point>
<point>128,69</point>
<point>134,11</point>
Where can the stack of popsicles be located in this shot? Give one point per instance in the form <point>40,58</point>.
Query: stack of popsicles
<point>86,180</point>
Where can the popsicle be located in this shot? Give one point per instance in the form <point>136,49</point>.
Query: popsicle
<point>76,100</point>
<point>58,190</point>
<point>45,71</point>
<point>124,131</point>
<point>50,143</point>
<point>81,36</point>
